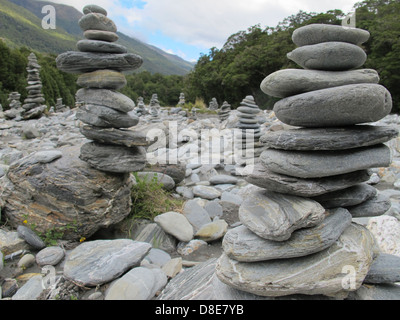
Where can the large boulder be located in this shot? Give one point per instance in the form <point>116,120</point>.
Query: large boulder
<point>55,190</point>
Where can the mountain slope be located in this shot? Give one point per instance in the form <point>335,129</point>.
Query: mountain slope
<point>20,25</point>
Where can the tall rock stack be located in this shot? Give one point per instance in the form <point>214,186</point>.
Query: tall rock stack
<point>105,112</point>
<point>224,111</point>
<point>33,104</point>
<point>298,235</point>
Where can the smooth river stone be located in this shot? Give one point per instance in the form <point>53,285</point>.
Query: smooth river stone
<point>92,8</point>
<point>243,245</point>
<point>113,158</point>
<point>97,21</point>
<point>83,62</point>
<point>100,46</point>
<point>325,272</point>
<point>105,117</point>
<point>125,138</point>
<point>329,138</point>
<point>108,98</point>
<point>348,197</point>
<point>329,56</point>
<point>317,33</point>
<point>319,164</point>
<point>101,35</point>
<point>97,262</point>
<point>275,216</point>
<point>335,107</point>
<point>264,178</point>
<point>102,79</point>
<point>289,82</point>
<point>374,207</point>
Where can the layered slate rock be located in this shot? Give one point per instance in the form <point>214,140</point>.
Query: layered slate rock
<point>326,162</point>
<point>104,111</point>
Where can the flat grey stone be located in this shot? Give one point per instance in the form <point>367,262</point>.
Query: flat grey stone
<point>205,192</point>
<point>100,46</point>
<point>101,35</point>
<point>314,274</point>
<point>105,117</point>
<point>249,110</point>
<point>82,62</point>
<point>30,237</point>
<point>113,158</point>
<point>30,290</point>
<point>374,207</point>
<point>97,21</point>
<point>157,237</point>
<point>92,8</point>
<point>243,245</point>
<point>212,231</point>
<point>318,164</point>
<point>339,106</point>
<point>384,269</point>
<point>127,138</point>
<point>50,256</point>
<point>196,214</point>
<point>317,33</point>
<point>348,197</point>
<point>290,82</point>
<point>329,138</point>
<point>329,56</point>
<point>97,262</point>
<point>102,79</point>
<point>275,216</point>
<point>176,224</point>
<point>157,257</point>
<point>377,292</point>
<point>223,179</point>
<point>107,98</point>
<point>264,178</point>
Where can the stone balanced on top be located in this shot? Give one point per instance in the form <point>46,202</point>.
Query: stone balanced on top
<point>302,240</point>
<point>33,105</point>
<point>106,113</point>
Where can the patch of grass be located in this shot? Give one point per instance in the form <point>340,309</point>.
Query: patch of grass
<point>149,199</point>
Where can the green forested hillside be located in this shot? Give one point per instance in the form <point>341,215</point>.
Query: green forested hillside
<point>249,56</point>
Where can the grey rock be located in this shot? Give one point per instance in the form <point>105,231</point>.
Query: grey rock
<point>205,192</point>
<point>53,195</point>
<point>264,178</point>
<point>248,110</point>
<point>348,197</point>
<point>97,21</point>
<point>157,237</point>
<point>243,245</point>
<point>176,225</point>
<point>127,138</point>
<point>166,181</point>
<point>30,290</point>
<point>318,164</point>
<point>196,214</point>
<point>138,284</point>
<point>185,192</point>
<point>105,117</point>
<point>28,260</point>
<point>339,106</point>
<point>212,231</point>
<point>313,274</point>
<point>214,209</point>
<point>384,269</point>
<point>1,261</point>
<point>107,98</point>
<point>30,237</point>
<point>113,158</point>
<point>377,292</point>
<point>100,46</point>
<point>82,62</point>
<point>101,35</point>
<point>92,8</point>
<point>10,242</point>
<point>223,179</point>
<point>97,262</point>
<point>290,82</point>
<point>329,56</point>
<point>102,79</point>
<point>329,138</point>
<point>275,216</point>
<point>50,256</point>
<point>317,33</point>
<point>374,207</point>
<point>157,257</point>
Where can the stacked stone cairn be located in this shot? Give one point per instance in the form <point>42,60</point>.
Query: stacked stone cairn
<point>60,107</point>
<point>182,100</point>
<point>141,107</point>
<point>15,110</point>
<point>213,105</point>
<point>106,113</point>
<point>224,111</point>
<point>298,235</point>
<point>33,104</point>
<point>155,109</point>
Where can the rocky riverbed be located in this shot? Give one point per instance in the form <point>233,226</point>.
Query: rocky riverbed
<point>156,257</point>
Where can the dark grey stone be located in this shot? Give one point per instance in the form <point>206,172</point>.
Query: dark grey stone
<point>92,8</point>
<point>101,35</point>
<point>105,117</point>
<point>373,207</point>
<point>102,79</point>
<point>384,269</point>
<point>329,56</point>
<point>100,46</point>
<point>30,237</point>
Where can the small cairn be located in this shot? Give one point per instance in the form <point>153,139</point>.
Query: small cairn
<point>298,235</point>
<point>213,105</point>
<point>224,111</point>
<point>33,104</point>
<point>106,113</point>
<point>60,107</point>
<point>154,109</point>
<point>15,110</point>
<point>182,100</point>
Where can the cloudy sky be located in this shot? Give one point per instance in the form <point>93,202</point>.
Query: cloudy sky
<point>188,28</point>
